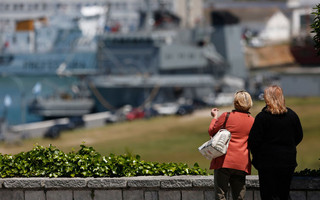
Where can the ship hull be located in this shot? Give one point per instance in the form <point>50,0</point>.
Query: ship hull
<point>114,92</point>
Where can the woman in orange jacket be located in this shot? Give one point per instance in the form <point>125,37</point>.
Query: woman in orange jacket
<point>235,165</point>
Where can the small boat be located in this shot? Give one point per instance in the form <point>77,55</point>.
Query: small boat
<point>58,107</point>
<point>305,53</point>
<point>64,104</point>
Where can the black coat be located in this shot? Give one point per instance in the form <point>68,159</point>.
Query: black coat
<point>273,139</point>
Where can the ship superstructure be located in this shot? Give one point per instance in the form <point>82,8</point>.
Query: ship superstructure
<point>52,44</point>
<point>165,63</point>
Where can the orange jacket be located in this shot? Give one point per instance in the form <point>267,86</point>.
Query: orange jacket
<point>238,156</point>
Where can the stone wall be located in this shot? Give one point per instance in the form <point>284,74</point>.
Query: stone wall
<point>137,188</point>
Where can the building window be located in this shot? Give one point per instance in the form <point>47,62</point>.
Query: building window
<point>7,7</point>
<point>14,39</point>
<point>30,7</point>
<point>124,6</point>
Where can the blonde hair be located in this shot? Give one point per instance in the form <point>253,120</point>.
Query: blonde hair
<point>242,101</point>
<point>273,96</point>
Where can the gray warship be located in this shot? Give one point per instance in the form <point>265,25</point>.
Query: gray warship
<point>165,63</point>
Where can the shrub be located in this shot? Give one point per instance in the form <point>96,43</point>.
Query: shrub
<point>308,172</point>
<point>52,162</point>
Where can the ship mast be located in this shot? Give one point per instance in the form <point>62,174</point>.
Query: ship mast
<point>148,22</point>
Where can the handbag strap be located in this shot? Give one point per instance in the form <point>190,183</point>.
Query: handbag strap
<point>225,121</point>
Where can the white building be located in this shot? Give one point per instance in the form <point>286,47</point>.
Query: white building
<point>123,13</point>
<point>267,24</point>
<point>190,11</point>
<point>301,3</point>
<point>301,17</point>
<point>126,12</point>
<point>277,28</point>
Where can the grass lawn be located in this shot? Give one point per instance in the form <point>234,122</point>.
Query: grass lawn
<point>174,138</point>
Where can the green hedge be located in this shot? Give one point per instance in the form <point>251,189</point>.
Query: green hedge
<point>308,172</point>
<point>52,162</point>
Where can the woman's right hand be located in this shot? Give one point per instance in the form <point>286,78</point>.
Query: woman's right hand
<point>214,112</point>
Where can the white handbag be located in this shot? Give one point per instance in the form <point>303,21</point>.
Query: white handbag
<point>218,144</point>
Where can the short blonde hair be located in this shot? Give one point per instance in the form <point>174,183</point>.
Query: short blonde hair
<point>242,101</point>
<point>273,96</point>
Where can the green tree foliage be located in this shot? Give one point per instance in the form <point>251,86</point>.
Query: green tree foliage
<point>316,28</point>
<point>51,162</point>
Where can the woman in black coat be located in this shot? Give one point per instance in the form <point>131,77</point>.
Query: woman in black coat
<point>273,138</point>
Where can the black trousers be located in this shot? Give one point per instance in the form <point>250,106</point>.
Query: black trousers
<point>275,183</point>
<point>237,180</point>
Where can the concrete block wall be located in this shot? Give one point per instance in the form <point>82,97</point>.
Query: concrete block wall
<point>137,188</point>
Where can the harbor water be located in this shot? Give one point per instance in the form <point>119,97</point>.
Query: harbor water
<point>17,91</point>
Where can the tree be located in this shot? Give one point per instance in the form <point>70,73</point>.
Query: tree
<point>316,28</point>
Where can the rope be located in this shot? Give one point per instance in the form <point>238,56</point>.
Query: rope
<point>152,95</point>
<point>108,106</point>
<point>100,98</point>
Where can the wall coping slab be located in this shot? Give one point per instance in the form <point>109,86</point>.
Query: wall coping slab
<point>162,182</point>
